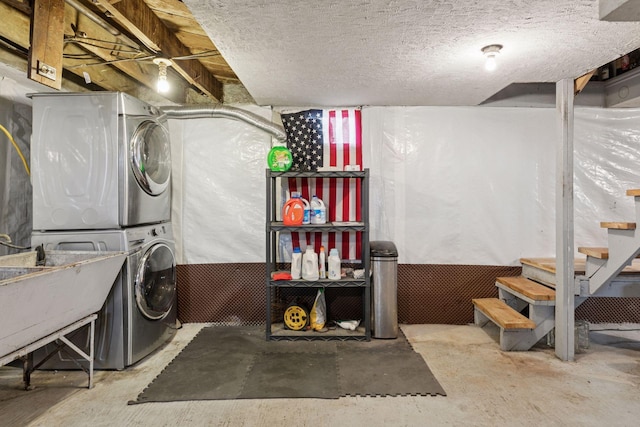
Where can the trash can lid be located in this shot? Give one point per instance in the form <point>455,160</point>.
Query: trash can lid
<point>383,248</point>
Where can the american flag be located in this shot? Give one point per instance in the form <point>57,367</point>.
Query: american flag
<point>327,140</point>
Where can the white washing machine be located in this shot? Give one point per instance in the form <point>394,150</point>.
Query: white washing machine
<point>99,160</point>
<point>139,315</point>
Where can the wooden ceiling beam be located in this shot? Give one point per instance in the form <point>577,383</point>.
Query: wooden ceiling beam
<point>107,47</point>
<point>15,27</point>
<point>21,5</point>
<point>143,23</point>
<point>47,42</point>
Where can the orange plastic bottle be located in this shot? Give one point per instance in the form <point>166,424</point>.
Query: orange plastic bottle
<point>293,212</point>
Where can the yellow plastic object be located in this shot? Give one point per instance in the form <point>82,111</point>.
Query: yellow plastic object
<point>24,161</point>
<point>318,312</point>
<point>279,159</point>
<point>296,317</point>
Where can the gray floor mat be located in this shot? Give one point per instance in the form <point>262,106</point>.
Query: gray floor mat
<point>286,375</point>
<point>390,373</point>
<point>236,362</point>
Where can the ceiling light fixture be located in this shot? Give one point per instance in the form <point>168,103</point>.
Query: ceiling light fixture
<point>163,83</point>
<point>490,52</point>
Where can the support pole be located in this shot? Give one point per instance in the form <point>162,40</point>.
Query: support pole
<point>565,277</point>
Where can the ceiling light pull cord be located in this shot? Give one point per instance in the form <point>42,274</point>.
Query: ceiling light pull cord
<point>24,162</point>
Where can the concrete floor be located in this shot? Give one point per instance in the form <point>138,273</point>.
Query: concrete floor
<point>485,387</point>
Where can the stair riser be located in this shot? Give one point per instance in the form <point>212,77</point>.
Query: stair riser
<point>516,303</point>
<point>543,276</point>
<point>524,340</point>
<point>539,275</point>
<point>541,314</point>
<point>505,291</point>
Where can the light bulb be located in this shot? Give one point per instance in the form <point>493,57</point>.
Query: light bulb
<point>162,84</point>
<point>490,52</point>
<point>490,63</point>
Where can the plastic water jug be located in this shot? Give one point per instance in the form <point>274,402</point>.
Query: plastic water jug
<point>334,264</point>
<point>293,212</point>
<point>318,211</point>
<point>310,265</point>
<point>307,211</point>
<point>296,264</point>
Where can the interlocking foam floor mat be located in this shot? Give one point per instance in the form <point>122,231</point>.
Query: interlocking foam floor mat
<point>236,362</point>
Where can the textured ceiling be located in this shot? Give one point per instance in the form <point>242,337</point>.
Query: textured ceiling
<point>406,52</point>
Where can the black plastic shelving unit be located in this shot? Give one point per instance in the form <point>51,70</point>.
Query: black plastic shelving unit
<point>274,226</point>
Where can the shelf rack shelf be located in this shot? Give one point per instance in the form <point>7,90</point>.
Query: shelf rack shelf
<point>274,226</point>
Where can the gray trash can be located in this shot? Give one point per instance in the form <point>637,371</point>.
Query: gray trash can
<point>384,290</point>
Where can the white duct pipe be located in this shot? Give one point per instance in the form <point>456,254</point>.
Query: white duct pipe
<point>219,110</point>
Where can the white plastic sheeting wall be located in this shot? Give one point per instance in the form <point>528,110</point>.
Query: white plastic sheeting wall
<point>15,183</point>
<point>223,189</point>
<point>477,185</point>
<point>449,185</point>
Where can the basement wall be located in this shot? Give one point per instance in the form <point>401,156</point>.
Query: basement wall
<point>464,192</point>
<point>15,184</point>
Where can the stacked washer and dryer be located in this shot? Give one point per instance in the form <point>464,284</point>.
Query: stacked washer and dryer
<point>101,170</point>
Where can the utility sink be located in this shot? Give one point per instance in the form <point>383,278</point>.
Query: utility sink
<point>38,300</point>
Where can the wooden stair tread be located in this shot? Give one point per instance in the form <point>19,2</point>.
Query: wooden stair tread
<point>633,192</point>
<point>528,288</point>
<point>619,225</point>
<point>503,315</point>
<point>601,253</point>
<point>549,265</point>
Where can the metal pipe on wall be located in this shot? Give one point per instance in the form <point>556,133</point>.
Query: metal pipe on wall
<point>219,110</point>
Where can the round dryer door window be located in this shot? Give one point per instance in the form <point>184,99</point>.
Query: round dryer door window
<point>156,282</point>
<point>151,157</point>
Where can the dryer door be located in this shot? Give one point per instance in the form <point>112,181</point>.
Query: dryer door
<point>156,282</point>
<point>150,154</point>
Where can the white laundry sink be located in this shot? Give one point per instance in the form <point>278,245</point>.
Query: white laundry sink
<point>39,300</point>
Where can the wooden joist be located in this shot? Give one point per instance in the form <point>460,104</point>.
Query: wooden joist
<point>21,5</point>
<point>47,36</point>
<point>502,315</point>
<point>619,225</point>
<point>634,192</point>
<point>528,288</point>
<point>108,49</point>
<point>15,27</point>
<point>142,22</point>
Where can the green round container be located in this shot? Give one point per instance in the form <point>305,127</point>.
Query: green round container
<point>279,159</point>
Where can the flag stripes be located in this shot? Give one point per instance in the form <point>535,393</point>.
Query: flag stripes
<point>341,134</point>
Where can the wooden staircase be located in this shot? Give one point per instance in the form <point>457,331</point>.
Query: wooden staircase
<point>525,308</point>
<point>515,295</point>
